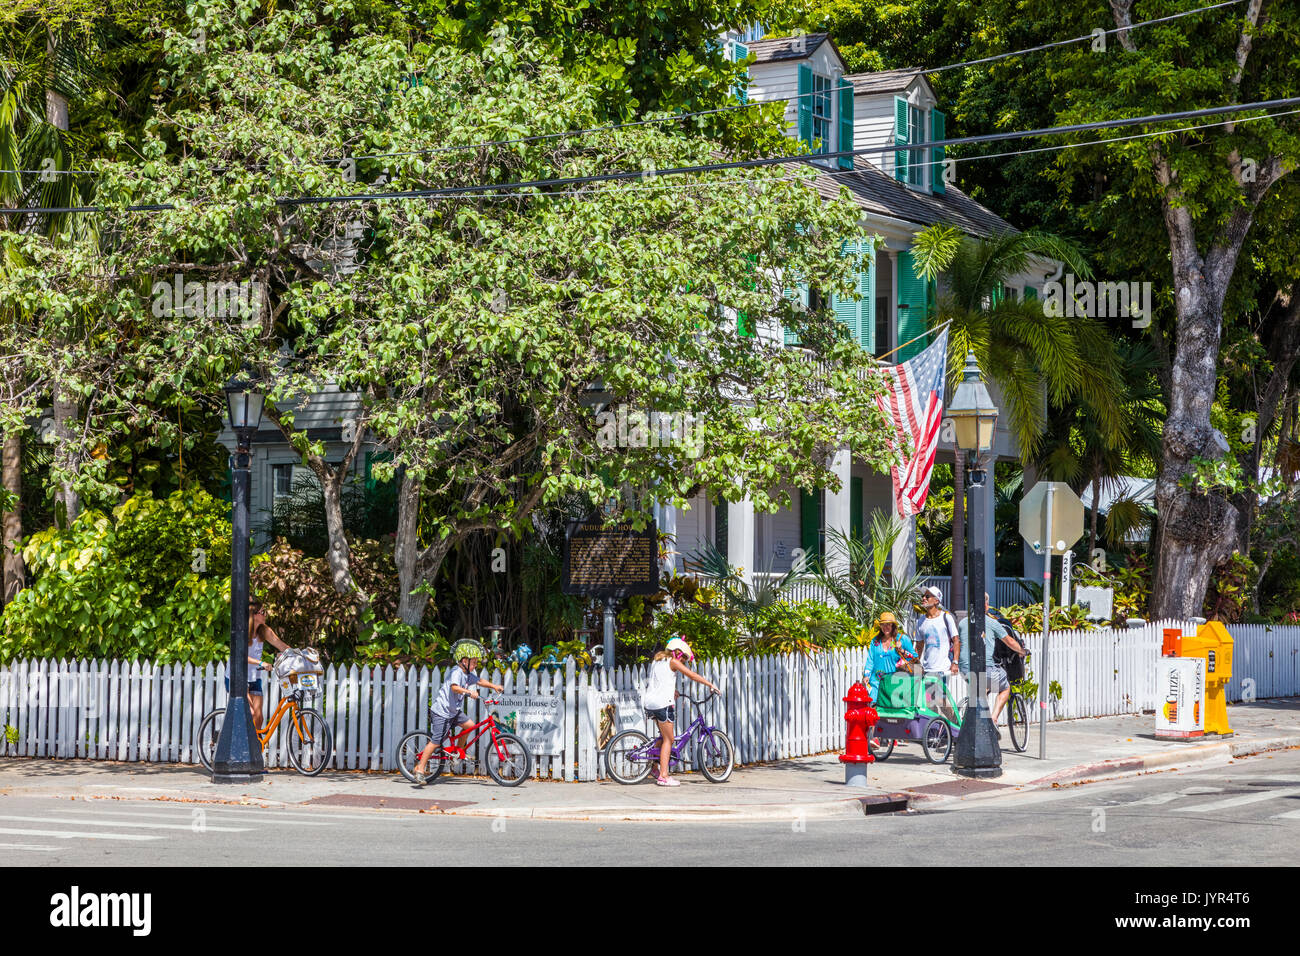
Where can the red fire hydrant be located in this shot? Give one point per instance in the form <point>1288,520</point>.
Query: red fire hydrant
<point>861,717</point>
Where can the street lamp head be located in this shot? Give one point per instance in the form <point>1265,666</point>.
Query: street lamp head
<point>244,404</point>
<point>972,411</point>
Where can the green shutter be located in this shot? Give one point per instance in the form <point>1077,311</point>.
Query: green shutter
<point>738,54</point>
<point>900,138</point>
<point>867,287</point>
<point>937,125</point>
<point>846,122</point>
<point>847,308</point>
<point>855,508</point>
<point>912,302</point>
<point>805,104</point>
<point>810,522</point>
<point>720,525</point>
<point>744,326</point>
<point>1030,293</point>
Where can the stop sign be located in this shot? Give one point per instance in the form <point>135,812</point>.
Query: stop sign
<point>1067,517</point>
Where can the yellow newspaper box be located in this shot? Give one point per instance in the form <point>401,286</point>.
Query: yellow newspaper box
<point>1213,643</point>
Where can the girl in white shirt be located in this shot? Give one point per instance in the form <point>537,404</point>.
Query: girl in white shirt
<point>659,693</point>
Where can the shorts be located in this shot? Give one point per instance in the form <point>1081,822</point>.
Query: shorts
<point>668,713</point>
<point>998,679</point>
<point>441,726</point>
<point>254,686</point>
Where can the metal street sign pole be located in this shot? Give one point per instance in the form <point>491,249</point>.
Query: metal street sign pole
<point>1047,605</point>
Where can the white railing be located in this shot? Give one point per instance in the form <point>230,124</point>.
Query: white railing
<point>774,707</point>
<point>804,589</point>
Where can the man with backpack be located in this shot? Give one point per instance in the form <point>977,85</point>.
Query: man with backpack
<point>940,640</point>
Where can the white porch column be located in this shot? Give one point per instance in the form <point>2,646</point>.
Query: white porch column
<point>740,537</point>
<point>666,519</point>
<point>903,557</point>
<point>838,515</point>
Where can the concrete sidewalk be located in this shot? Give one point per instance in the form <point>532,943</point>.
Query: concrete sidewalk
<point>804,788</point>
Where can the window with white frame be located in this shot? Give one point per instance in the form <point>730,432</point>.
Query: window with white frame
<point>917,162</point>
<point>281,480</point>
<point>821,112</point>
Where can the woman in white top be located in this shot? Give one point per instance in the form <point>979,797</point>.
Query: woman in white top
<point>258,631</point>
<point>659,693</point>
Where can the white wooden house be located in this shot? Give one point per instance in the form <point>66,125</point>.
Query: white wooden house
<point>899,193</point>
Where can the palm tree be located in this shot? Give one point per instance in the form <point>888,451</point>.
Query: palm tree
<point>1078,451</point>
<point>853,573</point>
<point>1030,355</point>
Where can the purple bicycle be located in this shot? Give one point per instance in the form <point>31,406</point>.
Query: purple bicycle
<point>631,755</point>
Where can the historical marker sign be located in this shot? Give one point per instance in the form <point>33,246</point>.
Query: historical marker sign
<point>610,562</point>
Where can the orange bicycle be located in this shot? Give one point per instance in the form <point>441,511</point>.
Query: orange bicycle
<point>311,742</point>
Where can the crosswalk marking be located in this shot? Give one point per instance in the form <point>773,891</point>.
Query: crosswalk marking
<point>123,823</point>
<point>187,816</point>
<point>1159,799</point>
<point>28,846</point>
<point>1291,815</point>
<point>76,834</point>
<point>1240,801</point>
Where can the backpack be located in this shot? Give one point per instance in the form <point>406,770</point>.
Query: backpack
<point>1005,657</point>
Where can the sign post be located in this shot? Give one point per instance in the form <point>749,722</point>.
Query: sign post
<point>1067,565</point>
<point>1051,518</point>
<point>609,562</point>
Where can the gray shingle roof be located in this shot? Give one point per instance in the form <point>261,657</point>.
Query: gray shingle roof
<point>786,48</point>
<point>878,193</point>
<point>886,81</point>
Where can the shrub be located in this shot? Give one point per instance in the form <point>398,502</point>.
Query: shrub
<point>131,590</point>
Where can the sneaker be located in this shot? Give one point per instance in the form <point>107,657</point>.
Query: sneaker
<point>668,782</point>
<point>421,778</point>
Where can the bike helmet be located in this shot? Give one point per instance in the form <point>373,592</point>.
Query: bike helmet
<point>678,644</point>
<point>468,647</point>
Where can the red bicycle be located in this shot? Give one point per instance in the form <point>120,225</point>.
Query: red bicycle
<point>507,758</point>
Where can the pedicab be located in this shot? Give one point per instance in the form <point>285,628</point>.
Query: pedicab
<point>905,708</point>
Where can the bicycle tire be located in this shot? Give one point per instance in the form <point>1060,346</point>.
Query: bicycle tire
<point>715,756</point>
<point>409,749</point>
<point>880,749</point>
<point>309,757</point>
<point>936,740</point>
<point>1018,723</point>
<point>205,741</point>
<point>518,763</point>
<point>619,768</point>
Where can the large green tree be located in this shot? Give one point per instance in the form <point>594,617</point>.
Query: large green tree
<point>483,330</point>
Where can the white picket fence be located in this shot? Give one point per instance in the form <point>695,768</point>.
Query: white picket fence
<point>773,707</point>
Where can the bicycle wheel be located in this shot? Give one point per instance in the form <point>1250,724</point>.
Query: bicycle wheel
<point>205,741</point>
<point>408,755</point>
<point>627,759</point>
<point>1018,723</point>
<point>937,742</point>
<point>715,756</point>
<point>514,767</point>
<point>880,749</point>
<point>311,742</point>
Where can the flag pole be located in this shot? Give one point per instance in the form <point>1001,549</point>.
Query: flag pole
<point>937,328</point>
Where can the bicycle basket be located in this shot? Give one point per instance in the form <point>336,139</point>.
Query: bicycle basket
<point>299,669</point>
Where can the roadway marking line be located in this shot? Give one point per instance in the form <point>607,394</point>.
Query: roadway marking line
<point>75,834</point>
<point>189,816</point>
<point>28,846</point>
<point>273,812</point>
<point>1239,801</point>
<point>1290,815</point>
<point>1159,799</point>
<point>126,823</point>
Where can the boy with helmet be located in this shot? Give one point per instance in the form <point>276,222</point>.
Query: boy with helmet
<point>659,693</point>
<point>446,711</point>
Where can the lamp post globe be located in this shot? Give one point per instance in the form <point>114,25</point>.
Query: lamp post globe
<point>976,752</point>
<point>238,755</point>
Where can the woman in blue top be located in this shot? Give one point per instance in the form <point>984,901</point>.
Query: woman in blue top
<point>891,651</point>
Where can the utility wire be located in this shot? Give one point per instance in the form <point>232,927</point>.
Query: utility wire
<point>623,176</point>
<point>678,117</point>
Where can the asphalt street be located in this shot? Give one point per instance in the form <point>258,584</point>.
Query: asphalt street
<point>1247,813</point>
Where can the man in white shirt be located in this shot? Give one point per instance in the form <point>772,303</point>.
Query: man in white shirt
<point>940,641</point>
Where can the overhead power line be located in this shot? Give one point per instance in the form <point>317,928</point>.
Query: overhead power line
<point>622,176</point>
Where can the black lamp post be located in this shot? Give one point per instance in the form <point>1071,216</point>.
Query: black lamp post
<point>238,757</point>
<point>976,753</point>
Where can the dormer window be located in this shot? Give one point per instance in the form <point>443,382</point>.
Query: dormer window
<point>821,114</point>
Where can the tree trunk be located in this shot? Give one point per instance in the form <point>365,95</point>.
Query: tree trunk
<point>339,555</point>
<point>14,573</point>
<point>1096,507</point>
<point>410,607</point>
<point>958,598</point>
<point>66,498</point>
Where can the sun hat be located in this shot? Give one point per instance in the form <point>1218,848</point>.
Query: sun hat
<point>886,618</point>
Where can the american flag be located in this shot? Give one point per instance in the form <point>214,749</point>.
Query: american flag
<point>914,403</point>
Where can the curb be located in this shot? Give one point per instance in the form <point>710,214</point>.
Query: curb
<point>822,810</point>
<point>1189,756</point>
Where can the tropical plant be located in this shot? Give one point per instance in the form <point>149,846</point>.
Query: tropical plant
<point>853,573</point>
<point>745,598</point>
